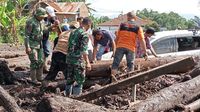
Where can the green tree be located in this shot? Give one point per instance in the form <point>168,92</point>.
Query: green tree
<point>97,20</point>
<point>196,21</point>
<point>171,20</point>
<point>11,20</point>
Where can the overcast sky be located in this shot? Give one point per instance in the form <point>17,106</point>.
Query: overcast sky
<point>112,8</point>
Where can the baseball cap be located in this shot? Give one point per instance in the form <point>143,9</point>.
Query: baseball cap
<point>50,11</point>
<point>40,12</point>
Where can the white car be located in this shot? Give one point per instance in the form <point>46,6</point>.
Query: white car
<point>176,42</point>
<point>173,43</point>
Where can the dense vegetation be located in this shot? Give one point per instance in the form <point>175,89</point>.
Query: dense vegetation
<point>13,16</point>
<point>12,20</point>
<point>167,21</point>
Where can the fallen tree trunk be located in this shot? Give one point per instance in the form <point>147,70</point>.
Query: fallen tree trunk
<point>194,106</point>
<point>8,102</point>
<point>102,68</point>
<point>6,76</point>
<point>65,104</point>
<point>141,77</point>
<point>195,72</point>
<point>171,96</point>
<point>51,86</point>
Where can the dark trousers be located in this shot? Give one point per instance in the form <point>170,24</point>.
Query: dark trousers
<point>57,64</point>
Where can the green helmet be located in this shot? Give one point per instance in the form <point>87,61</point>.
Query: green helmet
<point>40,12</point>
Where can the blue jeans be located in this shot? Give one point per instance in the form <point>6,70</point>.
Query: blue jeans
<point>46,47</point>
<point>130,57</point>
<point>100,52</point>
<point>74,90</point>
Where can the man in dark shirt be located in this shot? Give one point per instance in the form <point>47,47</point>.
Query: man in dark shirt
<point>48,21</point>
<point>103,42</point>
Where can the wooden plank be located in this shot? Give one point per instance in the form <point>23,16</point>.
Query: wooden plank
<point>141,77</point>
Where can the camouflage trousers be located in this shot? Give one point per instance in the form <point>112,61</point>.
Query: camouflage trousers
<point>75,76</point>
<point>75,73</point>
<point>36,58</point>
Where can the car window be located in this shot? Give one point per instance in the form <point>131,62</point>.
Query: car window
<point>165,45</point>
<point>188,43</point>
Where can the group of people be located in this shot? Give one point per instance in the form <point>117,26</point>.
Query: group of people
<point>77,46</point>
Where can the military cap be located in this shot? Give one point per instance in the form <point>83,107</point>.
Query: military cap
<point>41,12</point>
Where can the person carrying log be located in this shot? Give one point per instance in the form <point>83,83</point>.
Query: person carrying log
<point>104,41</point>
<point>58,59</point>
<point>33,44</point>
<point>126,43</point>
<point>77,59</point>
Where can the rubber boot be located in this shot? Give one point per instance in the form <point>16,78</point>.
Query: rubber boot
<point>45,68</point>
<point>39,73</point>
<point>33,75</point>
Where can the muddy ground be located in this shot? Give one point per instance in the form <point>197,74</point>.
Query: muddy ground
<point>29,95</point>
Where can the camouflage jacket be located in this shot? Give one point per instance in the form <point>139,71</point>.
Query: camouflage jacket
<point>77,45</point>
<point>33,33</point>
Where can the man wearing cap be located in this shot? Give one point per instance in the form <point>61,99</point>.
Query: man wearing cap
<point>33,43</point>
<point>126,43</point>
<point>48,21</point>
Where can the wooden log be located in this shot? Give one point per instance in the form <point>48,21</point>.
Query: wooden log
<point>195,72</point>
<point>51,86</point>
<point>171,96</point>
<point>8,102</point>
<point>65,104</point>
<point>141,77</point>
<point>102,68</point>
<point>194,106</point>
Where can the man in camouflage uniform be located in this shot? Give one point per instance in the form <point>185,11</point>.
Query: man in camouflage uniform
<point>33,44</point>
<point>77,59</point>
